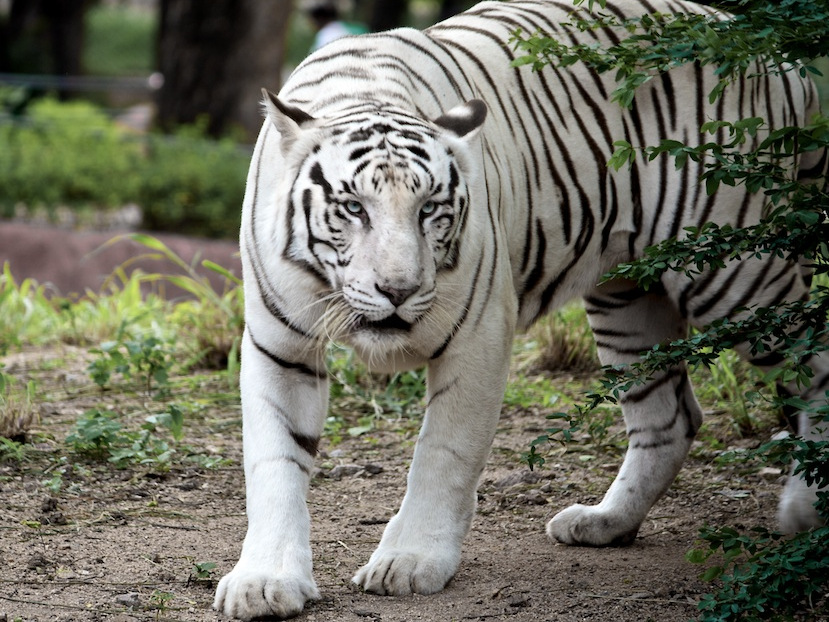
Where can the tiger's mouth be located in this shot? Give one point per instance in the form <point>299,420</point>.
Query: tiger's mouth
<point>392,323</point>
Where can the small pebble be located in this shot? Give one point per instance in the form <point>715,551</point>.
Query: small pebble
<point>130,599</point>
<point>344,470</point>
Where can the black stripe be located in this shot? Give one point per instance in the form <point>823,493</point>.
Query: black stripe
<point>307,443</point>
<point>481,67</point>
<point>443,390</point>
<point>585,235</point>
<point>285,364</point>
<point>634,397</point>
<point>439,352</point>
<point>537,272</point>
<point>705,306</point>
<point>634,350</point>
<point>669,425</point>
<point>292,460</point>
<point>613,332</point>
<point>760,280</point>
<point>264,286</point>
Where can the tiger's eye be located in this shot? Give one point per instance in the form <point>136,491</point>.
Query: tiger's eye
<point>428,208</point>
<point>354,208</point>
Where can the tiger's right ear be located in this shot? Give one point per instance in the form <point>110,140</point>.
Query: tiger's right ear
<point>465,120</point>
<point>289,121</point>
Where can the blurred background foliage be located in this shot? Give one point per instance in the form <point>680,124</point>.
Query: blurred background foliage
<point>149,103</point>
<point>153,103</point>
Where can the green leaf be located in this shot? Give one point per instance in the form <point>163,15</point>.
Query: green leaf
<point>714,572</point>
<point>623,154</point>
<point>697,556</point>
<point>222,271</point>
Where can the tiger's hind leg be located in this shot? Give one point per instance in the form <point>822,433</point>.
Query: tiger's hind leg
<point>797,510</point>
<point>763,283</point>
<point>661,416</point>
<point>767,283</point>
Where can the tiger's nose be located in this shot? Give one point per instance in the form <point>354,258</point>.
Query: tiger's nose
<point>397,296</point>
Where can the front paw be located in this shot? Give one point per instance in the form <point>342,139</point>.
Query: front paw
<point>399,572</point>
<point>588,526</point>
<point>248,594</point>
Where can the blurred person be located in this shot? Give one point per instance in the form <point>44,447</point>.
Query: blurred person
<point>326,16</point>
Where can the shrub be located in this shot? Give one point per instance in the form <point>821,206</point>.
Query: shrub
<point>65,154</point>
<point>192,185</point>
<point>71,154</point>
<point>763,574</point>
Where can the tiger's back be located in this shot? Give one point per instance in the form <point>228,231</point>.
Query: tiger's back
<point>549,134</point>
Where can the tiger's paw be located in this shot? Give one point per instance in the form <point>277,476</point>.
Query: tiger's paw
<point>398,572</point>
<point>797,510</point>
<point>583,525</point>
<point>248,594</point>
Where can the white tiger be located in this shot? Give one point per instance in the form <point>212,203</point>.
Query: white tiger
<point>384,212</point>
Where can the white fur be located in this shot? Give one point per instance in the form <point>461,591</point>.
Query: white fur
<point>330,249</point>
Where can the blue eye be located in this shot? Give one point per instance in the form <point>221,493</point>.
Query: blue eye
<point>428,208</point>
<point>354,208</point>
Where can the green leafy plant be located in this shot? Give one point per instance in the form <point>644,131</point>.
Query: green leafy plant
<point>202,572</point>
<point>102,435</point>
<point>146,359</point>
<point>531,392</point>
<point>12,451</point>
<point>160,602</point>
<point>95,433</point>
<point>782,33</point>
<point>183,183</point>
<point>738,388</point>
<point>35,316</point>
<point>55,483</point>
<point>27,313</point>
<point>143,448</point>
<point>89,163</point>
<point>764,575</point>
<point>213,320</point>
<point>370,397</point>
<point>592,426</point>
<point>193,185</point>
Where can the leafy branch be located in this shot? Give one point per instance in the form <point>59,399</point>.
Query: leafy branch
<point>763,575</point>
<point>762,37</point>
<point>769,576</point>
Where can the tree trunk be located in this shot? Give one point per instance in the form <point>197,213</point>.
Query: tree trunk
<point>448,8</point>
<point>43,36</point>
<point>386,14</point>
<point>215,57</point>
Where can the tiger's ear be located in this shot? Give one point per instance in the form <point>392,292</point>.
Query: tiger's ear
<point>465,120</point>
<point>289,121</point>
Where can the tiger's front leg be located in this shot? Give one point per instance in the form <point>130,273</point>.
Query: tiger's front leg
<point>283,405</point>
<point>421,546</point>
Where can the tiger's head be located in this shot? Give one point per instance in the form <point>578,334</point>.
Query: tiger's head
<point>377,201</point>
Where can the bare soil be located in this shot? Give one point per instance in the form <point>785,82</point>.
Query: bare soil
<point>120,544</point>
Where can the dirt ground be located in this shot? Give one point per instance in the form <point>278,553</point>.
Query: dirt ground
<point>120,545</point>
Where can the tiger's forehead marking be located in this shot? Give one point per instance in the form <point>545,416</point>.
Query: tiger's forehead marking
<point>388,148</point>
<point>361,122</point>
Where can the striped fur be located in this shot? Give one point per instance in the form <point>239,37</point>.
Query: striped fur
<point>384,212</point>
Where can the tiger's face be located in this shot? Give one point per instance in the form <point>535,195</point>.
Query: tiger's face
<point>377,209</point>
